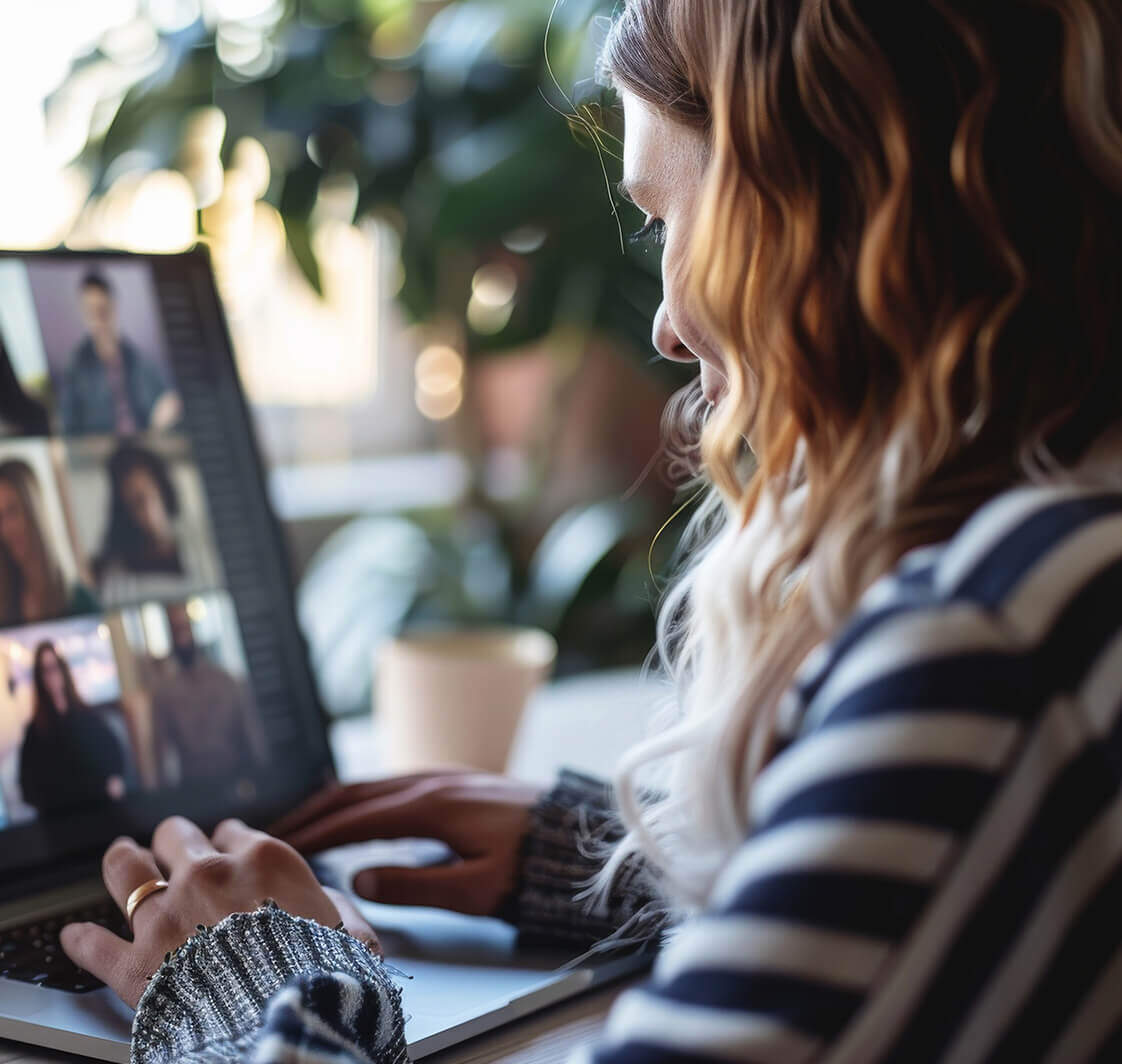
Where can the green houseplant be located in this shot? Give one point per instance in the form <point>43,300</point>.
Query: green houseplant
<point>472,128</point>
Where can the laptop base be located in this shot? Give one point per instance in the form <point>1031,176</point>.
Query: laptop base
<point>461,977</point>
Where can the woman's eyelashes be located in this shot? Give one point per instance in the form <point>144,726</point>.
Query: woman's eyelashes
<point>653,233</point>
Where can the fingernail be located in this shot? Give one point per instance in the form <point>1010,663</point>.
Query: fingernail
<point>373,946</point>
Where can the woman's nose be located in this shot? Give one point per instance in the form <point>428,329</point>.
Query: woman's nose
<point>667,342</point>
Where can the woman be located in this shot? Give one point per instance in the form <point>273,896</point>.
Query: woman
<point>141,536</point>
<point>70,757</point>
<point>32,585</point>
<point>20,414</point>
<point>890,828</point>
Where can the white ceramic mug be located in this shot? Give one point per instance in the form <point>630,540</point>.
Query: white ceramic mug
<point>455,697</point>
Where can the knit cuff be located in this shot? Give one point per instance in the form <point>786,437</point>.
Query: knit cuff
<point>209,998</point>
<point>573,830</point>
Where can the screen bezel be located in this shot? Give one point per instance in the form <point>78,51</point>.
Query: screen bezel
<point>69,850</point>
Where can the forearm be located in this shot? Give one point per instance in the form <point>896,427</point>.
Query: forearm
<point>269,987</point>
<point>573,831</point>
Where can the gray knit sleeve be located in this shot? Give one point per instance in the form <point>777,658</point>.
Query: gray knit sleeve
<point>573,830</point>
<point>264,987</point>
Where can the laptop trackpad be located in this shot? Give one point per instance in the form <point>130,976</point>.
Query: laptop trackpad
<point>445,1004</point>
<point>457,970</point>
<point>461,975</point>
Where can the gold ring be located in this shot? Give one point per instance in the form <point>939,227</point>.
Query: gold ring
<point>145,890</point>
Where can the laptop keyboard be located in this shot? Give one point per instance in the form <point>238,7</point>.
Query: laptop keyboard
<point>32,953</point>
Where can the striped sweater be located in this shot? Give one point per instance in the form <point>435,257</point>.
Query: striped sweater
<point>934,871</point>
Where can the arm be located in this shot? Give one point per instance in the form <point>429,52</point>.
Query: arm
<point>525,856</point>
<point>167,412</point>
<point>104,762</point>
<point>32,771</point>
<point>316,985</point>
<point>160,404</point>
<point>104,745</point>
<point>70,402</point>
<point>862,832</point>
<point>572,830</point>
<point>313,991</point>
<point>216,973</point>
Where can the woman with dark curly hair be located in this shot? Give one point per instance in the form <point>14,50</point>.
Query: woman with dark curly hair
<point>141,535</point>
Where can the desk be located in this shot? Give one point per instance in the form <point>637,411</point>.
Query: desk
<point>614,707</point>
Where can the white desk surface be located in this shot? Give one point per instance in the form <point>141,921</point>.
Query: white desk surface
<point>615,707</point>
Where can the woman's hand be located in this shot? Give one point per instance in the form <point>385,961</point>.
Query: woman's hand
<point>166,413</point>
<point>234,871</point>
<point>481,817</point>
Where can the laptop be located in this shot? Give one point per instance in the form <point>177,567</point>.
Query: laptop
<point>150,658</point>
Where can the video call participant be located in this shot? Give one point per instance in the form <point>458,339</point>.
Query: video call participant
<point>141,537</point>
<point>20,414</point>
<point>110,386</point>
<point>70,755</point>
<point>201,713</point>
<point>32,585</point>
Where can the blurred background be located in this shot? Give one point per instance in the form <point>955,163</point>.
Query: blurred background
<point>442,329</point>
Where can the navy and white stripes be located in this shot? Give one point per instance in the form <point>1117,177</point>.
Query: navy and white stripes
<point>934,872</point>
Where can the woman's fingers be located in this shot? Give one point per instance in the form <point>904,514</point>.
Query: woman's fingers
<point>353,921</point>
<point>101,953</point>
<point>234,835</point>
<point>402,814</point>
<point>467,887</point>
<point>125,867</point>
<point>329,799</point>
<point>336,797</point>
<point>178,842</point>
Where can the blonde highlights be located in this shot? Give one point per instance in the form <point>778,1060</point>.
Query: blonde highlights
<point>910,251</point>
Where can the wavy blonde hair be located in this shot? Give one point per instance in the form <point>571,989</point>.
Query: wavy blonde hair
<point>920,306</point>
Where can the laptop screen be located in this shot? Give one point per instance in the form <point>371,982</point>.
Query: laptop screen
<point>149,657</point>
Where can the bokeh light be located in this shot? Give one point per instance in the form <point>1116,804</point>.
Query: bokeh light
<point>439,407</point>
<point>494,288</point>
<point>440,370</point>
<point>495,285</point>
<point>172,16</point>
<point>197,610</point>
<point>439,374</point>
<point>161,215</point>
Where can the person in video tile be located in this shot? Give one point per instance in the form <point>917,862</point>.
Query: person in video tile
<point>141,536</point>
<point>202,714</point>
<point>109,385</point>
<point>70,755</point>
<point>32,585</point>
<point>20,414</point>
